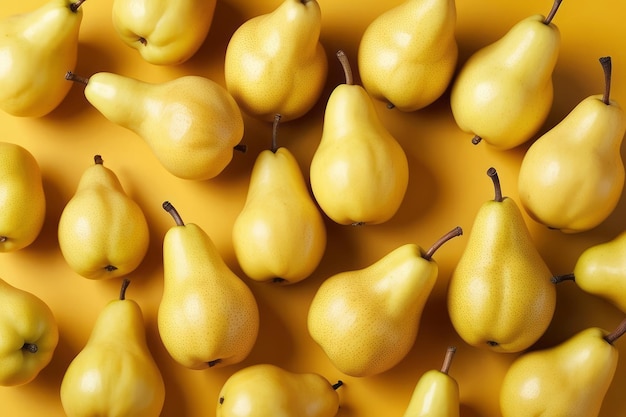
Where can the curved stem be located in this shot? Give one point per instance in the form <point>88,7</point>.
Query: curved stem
<point>457,231</point>
<point>76,5</point>
<point>605,61</point>
<point>493,174</point>
<point>30,347</point>
<point>274,147</point>
<point>557,279</point>
<point>447,360</point>
<point>550,16</point>
<point>337,384</point>
<point>167,206</point>
<point>125,284</point>
<point>70,76</point>
<point>345,64</point>
<point>617,333</point>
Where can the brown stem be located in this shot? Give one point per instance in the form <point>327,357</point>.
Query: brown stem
<point>557,279</point>
<point>617,333</point>
<point>476,139</point>
<point>97,159</point>
<point>240,147</point>
<point>457,231</point>
<point>550,16</point>
<point>493,174</point>
<point>213,362</point>
<point>605,61</point>
<point>167,206</point>
<point>76,5</point>
<point>125,284</point>
<point>274,146</point>
<point>447,360</point>
<point>345,64</point>
<point>30,347</point>
<point>70,76</point>
<point>337,384</point>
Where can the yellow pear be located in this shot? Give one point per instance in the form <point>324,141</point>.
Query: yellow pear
<point>436,393</point>
<point>207,317</point>
<point>36,49</point>
<point>567,380</point>
<point>503,93</point>
<point>367,320</point>
<point>500,295</point>
<point>114,375</point>
<point>191,123</point>
<point>102,232</point>
<point>266,390</point>
<point>275,63</point>
<point>572,177</point>
<point>29,335</point>
<point>164,32</point>
<point>22,198</point>
<point>279,235</point>
<point>359,173</point>
<point>407,56</point>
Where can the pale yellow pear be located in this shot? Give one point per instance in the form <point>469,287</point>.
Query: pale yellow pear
<point>367,320</point>
<point>407,55</point>
<point>279,235</point>
<point>103,233</point>
<point>359,172</point>
<point>191,123</point>
<point>114,375</point>
<point>500,295</point>
<point>275,63</point>
<point>207,317</point>
<point>572,177</point>
<point>22,198</point>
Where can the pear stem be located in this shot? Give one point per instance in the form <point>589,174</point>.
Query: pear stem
<point>125,284</point>
<point>30,347</point>
<point>76,5</point>
<point>447,360</point>
<point>70,76</point>
<point>167,206</point>
<point>476,140</point>
<point>617,333</point>
<point>457,231</point>
<point>213,362</point>
<point>337,384</point>
<point>493,174</point>
<point>557,279</point>
<point>274,146</point>
<point>97,159</point>
<point>345,64</point>
<point>605,61</point>
<point>550,16</point>
<point>240,147</point>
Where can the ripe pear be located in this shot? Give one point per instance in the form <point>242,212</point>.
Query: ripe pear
<point>500,295</point>
<point>407,56</point>
<point>275,63</point>
<point>572,177</point>
<point>568,380</point>
<point>503,93</point>
<point>191,123</point>
<point>279,235</point>
<point>22,198</point>
<point>207,317</point>
<point>359,173</point>
<point>266,390</point>
<point>102,232</point>
<point>436,393</point>
<point>114,375</point>
<point>37,48</point>
<point>367,320</point>
<point>29,335</point>
<point>154,27</point>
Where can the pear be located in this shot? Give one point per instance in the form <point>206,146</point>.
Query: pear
<point>503,93</point>
<point>155,30</point>
<point>359,172</point>
<point>191,123</point>
<point>265,390</point>
<point>500,295</point>
<point>572,177</point>
<point>22,198</point>
<point>102,232</point>
<point>29,335</point>
<point>367,320</point>
<point>114,375</point>
<point>207,317</point>
<point>567,380</point>
<point>436,393</point>
<point>407,56</point>
<point>275,63</point>
<point>37,48</point>
<point>279,235</point>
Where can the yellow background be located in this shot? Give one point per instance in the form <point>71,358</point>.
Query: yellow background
<point>447,185</point>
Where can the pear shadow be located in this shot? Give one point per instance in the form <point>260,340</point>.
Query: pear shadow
<point>467,411</point>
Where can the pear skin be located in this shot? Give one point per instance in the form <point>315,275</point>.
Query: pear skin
<point>500,295</point>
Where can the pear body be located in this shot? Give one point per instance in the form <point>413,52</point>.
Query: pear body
<point>275,63</point>
<point>500,295</point>
<point>24,319</point>
<point>102,232</point>
<point>435,395</point>
<point>503,93</point>
<point>114,375</point>
<point>367,320</point>
<point>407,56</point>
<point>280,232</point>
<point>190,123</point>
<point>207,317</point>
<point>22,198</point>
<point>572,177</point>
<point>37,49</point>
<point>359,172</point>
<point>154,27</point>
<point>267,390</point>
<point>568,380</point>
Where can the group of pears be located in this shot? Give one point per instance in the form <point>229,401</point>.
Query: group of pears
<point>501,295</point>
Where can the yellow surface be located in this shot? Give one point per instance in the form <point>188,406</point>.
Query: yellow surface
<point>447,185</point>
